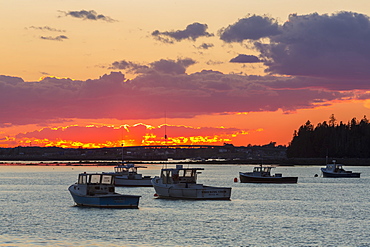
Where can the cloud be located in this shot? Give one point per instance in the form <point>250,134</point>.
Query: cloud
<point>88,15</point>
<point>167,66</point>
<point>205,46</point>
<point>171,66</point>
<point>11,80</point>
<point>150,94</point>
<point>332,46</point>
<point>242,58</point>
<point>129,66</point>
<point>191,32</point>
<point>250,28</point>
<point>46,28</point>
<point>57,38</point>
<point>212,62</point>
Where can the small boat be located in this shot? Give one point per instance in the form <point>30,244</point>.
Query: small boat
<point>126,175</point>
<point>97,190</point>
<point>181,183</point>
<point>262,174</point>
<point>336,171</point>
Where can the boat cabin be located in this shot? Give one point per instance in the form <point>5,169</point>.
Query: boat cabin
<point>179,175</point>
<point>128,168</point>
<point>334,167</point>
<point>262,170</point>
<point>95,183</point>
<point>128,171</point>
<point>95,178</point>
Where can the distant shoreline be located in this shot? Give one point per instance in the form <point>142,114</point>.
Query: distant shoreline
<point>278,162</point>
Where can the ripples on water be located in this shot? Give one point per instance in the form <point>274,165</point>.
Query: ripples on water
<point>37,210</point>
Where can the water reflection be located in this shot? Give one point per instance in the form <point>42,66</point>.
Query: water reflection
<point>37,210</point>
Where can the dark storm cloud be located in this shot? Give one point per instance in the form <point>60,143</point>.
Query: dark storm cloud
<point>242,58</point>
<point>167,66</point>
<point>250,28</point>
<point>57,38</point>
<point>327,46</point>
<point>191,32</point>
<point>88,15</point>
<point>46,28</point>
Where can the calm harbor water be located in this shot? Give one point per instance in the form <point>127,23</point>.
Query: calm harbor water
<point>37,210</point>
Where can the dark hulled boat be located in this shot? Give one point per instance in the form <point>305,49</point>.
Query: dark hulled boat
<point>336,171</point>
<point>262,174</point>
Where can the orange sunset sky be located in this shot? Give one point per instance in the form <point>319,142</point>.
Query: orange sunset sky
<point>106,73</point>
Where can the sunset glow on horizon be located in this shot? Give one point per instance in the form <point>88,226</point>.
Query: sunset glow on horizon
<point>93,75</point>
<point>136,135</point>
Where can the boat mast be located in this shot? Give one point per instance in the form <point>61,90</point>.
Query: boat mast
<point>122,155</point>
<point>122,144</point>
<point>165,138</point>
<point>165,128</point>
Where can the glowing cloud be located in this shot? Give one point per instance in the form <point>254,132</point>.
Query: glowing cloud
<point>135,135</point>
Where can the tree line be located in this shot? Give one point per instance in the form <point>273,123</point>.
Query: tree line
<point>351,140</point>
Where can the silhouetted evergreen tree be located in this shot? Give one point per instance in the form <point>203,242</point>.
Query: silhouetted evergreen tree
<point>350,140</point>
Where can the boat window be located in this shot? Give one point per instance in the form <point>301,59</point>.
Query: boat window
<point>106,179</point>
<point>188,173</point>
<point>167,177</point>
<point>95,179</point>
<point>133,169</point>
<point>82,179</point>
<point>267,169</point>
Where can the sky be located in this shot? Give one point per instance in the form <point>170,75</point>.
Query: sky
<point>109,73</point>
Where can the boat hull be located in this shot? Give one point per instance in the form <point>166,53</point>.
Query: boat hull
<point>196,192</point>
<point>124,182</point>
<point>244,178</point>
<point>340,174</point>
<point>106,201</point>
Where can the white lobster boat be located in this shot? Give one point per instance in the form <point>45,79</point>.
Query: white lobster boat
<point>97,190</point>
<point>127,175</point>
<point>181,183</point>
